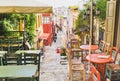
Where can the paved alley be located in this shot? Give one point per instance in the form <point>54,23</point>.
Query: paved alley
<point>51,69</point>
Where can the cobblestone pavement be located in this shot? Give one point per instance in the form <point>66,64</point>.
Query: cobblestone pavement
<point>51,69</point>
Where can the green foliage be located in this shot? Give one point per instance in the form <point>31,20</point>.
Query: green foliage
<point>80,21</point>
<point>10,22</point>
<point>101,4</point>
<point>63,53</point>
<point>30,26</point>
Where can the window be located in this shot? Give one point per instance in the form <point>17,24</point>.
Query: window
<point>46,20</point>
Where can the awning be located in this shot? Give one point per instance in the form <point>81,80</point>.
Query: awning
<point>24,6</point>
<point>44,36</point>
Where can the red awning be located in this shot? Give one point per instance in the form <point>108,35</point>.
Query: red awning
<point>44,36</point>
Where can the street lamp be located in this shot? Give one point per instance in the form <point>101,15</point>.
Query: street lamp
<point>95,12</point>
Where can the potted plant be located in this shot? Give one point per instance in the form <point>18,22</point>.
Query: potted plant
<point>63,52</point>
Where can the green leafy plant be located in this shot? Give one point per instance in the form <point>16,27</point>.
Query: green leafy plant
<point>11,22</point>
<point>63,51</point>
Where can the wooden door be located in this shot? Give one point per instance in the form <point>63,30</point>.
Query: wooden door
<point>110,22</point>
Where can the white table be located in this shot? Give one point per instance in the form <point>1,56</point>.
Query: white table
<point>17,71</point>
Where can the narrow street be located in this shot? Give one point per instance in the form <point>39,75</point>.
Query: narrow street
<point>51,69</point>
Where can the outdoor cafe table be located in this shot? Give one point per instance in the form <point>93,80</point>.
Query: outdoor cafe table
<point>86,47</point>
<point>2,53</point>
<point>17,71</point>
<point>100,61</point>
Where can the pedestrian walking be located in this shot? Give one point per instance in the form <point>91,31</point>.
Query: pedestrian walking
<point>55,37</point>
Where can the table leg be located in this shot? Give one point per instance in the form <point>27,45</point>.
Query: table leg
<point>101,68</point>
<point>82,56</point>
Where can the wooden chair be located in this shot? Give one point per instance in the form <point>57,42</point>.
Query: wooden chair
<point>114,53</point>
<point>95,75</point>
<point>74,43</point>
<point>76,72</point>
<point>31,58</point>
<point>106,48</point>
<point>14,45</point>
<point>101,46</point>
<point>1,48</point>
<point>74,61</point>
<point>113,69</point>
<point>76,53</point>
<point>20,44</point>
<point>113,72</point>
<point>12,59</point>
<point>6,44</point>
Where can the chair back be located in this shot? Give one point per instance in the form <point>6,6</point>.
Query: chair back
<point>1,48</point>
<point>106,48</point>
<point>101,45</point>
<point>6,44</point>
<point>114,53</point>
<point>76,52</point>
<point>12,59</point>
<point>74,43</point>
<point>31,58</point>
<point>14,46</point>
<point>95,75</point>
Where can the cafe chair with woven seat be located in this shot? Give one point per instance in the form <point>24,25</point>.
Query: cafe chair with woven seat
<point>104,47</point>
<point>113,53</point>
<point>113,69</point>
<point>95,75</point>
<point>76,72</point>
<point>74,43</point>
<point>113,72</point>
<point>101,46</point>
<point>76,53</point>
<point>74,61</point>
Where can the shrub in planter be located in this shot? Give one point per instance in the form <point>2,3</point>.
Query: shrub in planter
<point>63,52</point>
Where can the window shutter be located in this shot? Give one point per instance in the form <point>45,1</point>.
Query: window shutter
<point>110,21</point>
